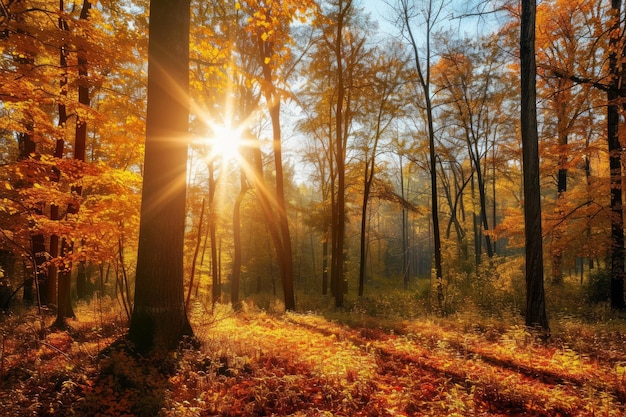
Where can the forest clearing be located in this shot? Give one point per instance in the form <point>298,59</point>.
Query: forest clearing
<point>255,363</point>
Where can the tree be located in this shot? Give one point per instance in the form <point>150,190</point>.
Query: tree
<point>51,282</point>
<point>608,42</point>
<point>216,288</point>
<point>159,317</point>
<point>317,125</point>
<point>431,14</point>
<point>18,73</point>
<point>268,42</point>
<point>64,304</point>
<point>615,95</point>
<point>383,103</point>
<point>468,73</point>
<point>237,257</point>
<point>535,298</point>
<point>338,218</point>
<point>45,96</point>
<point>317,153</point>
<point>335,70</point>
<point>269,29</point>
<point>341,72</point>
<point>564,46</point>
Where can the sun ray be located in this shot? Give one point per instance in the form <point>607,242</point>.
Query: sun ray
<point>228,140</point>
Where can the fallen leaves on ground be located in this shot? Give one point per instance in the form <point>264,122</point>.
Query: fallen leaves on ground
<point>257,364</point>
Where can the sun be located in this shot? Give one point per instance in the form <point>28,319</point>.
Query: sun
<point>225,142</point>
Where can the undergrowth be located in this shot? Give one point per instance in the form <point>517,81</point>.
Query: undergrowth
<point>382,355</point>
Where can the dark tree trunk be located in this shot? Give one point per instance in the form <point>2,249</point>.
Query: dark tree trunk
<point>64,299</point>
<point>494,200</point>
<point>478,241</point>
<point>159,319</point>
<point>38,245</point>
<point>196,251</point>
<point>483,205</point>
<point>30,286</point>
<point>64,308</point>
<point>435,204</point>
<point>562,98</point>
<point>28,149</point>
<point>363,242</point>
<point>81,280</point>
<point>481,221</point>
<point>370,165</point>
<point>283,244</point>
<point>535,299</point>
<point>424,82</point>
<point>216,289</point>
<point>51,287</point>
<point>325,267</point>
<point>406,270</point>
<point>339,218</point>
<point>62,276</point>
<point>285,257</point>
<point>264,197</point>
<point>615,157</point>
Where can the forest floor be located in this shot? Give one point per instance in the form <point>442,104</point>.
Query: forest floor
<point>258,364</point>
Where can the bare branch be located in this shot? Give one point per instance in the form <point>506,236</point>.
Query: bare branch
<point>560,73</point>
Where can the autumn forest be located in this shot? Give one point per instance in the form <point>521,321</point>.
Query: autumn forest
<point>312,208</point>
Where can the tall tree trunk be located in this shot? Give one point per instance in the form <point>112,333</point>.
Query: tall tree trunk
<point>27,148</point>
<point>482,195</point>
<point>64,300</point>
<point>282,240</point>
<point>285,258</point>
<point>159,319</point>
<point>424,82</point>
<point>562,98</point>
<point>405,221</point>
<point>535,299</point>
<point>481,220</point>
<point>367,185</point>
<point>478,240</point>
<point>368,180</point>
<point>237,258</point>
<point>494,202</point>
<point>196,252</point>
<point>339,217</point>
<point>588,182</point>
<point>327,276</point>
<point>81,280</point>
<point>616,56</point>
<point>206,240</point>
<point>325,265</point>
<point>216,289</point>
<point>64,307</point>
<point>435,204</point>
<point>264,195</point>
<point>50,287</point>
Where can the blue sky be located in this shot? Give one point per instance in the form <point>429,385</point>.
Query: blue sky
<point>382,12</point>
